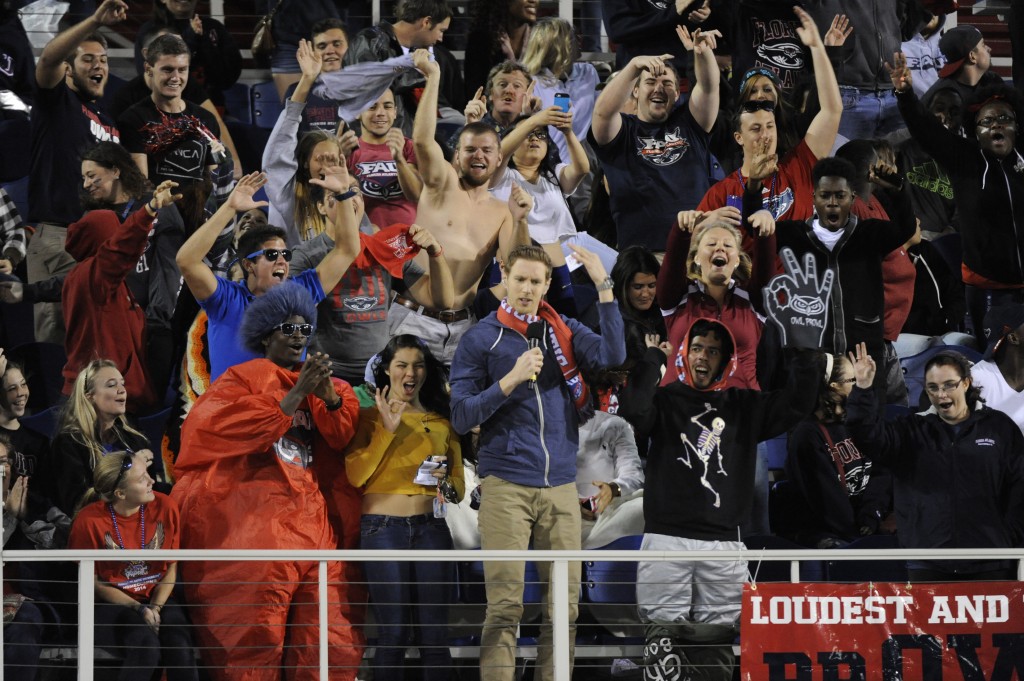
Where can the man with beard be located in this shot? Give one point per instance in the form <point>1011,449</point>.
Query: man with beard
<point>71,75</point>
<point>656,162</point>
<point>470,225</point>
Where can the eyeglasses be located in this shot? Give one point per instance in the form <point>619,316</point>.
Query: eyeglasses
<point>126,466</point>
<point>288,329</point>
<point>541,135</point>
<point>947,387</point>
<point>271,254</point>
<point>758,105</point>
<point>989,121</point>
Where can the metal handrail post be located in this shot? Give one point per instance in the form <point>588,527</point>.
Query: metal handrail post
<point>560,619</point>
<point>324,621</point>
<point>86,619</point>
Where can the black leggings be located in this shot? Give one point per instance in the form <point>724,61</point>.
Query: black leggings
<point>124,632</point>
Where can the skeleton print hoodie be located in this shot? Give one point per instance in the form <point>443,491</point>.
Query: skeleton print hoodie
<point>700,469</point>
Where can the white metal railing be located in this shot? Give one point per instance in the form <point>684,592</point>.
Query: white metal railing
<point>559,575</point>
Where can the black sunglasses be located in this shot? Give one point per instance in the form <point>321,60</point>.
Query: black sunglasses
<point>288,328</point>
<point>271,254</point>
<point>758,105</point>
<point>541,135</point>
<point>126,466</point>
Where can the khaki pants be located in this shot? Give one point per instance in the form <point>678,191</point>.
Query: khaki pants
<point>45,258</point>
<point>509,515</point>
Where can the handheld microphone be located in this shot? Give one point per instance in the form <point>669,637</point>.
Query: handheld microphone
<point>534,335</point>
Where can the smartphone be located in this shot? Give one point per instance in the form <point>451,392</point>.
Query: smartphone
<point>562,101</point>
<point>735,201</point>
<point>589,503</point>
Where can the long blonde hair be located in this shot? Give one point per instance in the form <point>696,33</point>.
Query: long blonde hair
<point>79,418</point>
<point>551,46</point>
<point>743,270</point>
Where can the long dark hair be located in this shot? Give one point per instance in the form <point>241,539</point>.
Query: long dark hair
<point>831,402</point>
<point>113,156</point>
<point>434,393</point>
<point>951,358</point>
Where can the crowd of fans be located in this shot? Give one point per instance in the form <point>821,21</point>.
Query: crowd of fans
<point>509,286</point>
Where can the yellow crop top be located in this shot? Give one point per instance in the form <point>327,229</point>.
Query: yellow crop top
<point>381,462</point>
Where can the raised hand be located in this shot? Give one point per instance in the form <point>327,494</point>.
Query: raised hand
<point>390,410</point>
<point>476,107</point>
<point>764,163</point>
<point>110,12</point>
<point>700,15</point>
<point>798,303</point>
<point>899,72</point>
<point>164,195</point>
<point>531,102</point>
<point>808,30</point>
<point>334,178</point>
<point>552,116</point>
<point>591,263</point>
<point>838,32</point>
<point>310,62</point>
<point>241,199</point>
<point>396,143</point>
<point>653,65</point>
<point>763,222</point>
<point>16,502</point>
<point>863,366</point>
<point>197,25</point>
<point>699,40</point>
<point>422,60</point>
<point>314,370</point>
<point>520,202</point>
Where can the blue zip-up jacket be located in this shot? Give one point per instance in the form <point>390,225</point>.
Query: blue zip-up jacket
<point>530,437</point>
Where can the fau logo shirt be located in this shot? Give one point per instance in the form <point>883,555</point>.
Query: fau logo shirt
<point>654,170</point>
<point>377,172</point>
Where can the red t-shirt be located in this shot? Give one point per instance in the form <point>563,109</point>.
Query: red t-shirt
<point>94,529</point>
<point>377,172</point>
<point>792,197</point>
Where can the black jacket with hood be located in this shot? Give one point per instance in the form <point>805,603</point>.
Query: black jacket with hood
<point>706,495</point>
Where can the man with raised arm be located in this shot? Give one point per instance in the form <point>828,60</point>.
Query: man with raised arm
<point>264,258</point>
<point>656,162</point>
<point>71,75</point>
<point>469,224</point>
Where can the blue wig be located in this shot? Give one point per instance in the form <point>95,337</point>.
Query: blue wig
<point>273,307</point>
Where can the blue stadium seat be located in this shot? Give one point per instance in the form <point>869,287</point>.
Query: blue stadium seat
<point>45,422</point>
<point>238,103</point>
<point>609,594</point>
<point>153,426</point>
<point>777,452</point>
<point>266,106</point>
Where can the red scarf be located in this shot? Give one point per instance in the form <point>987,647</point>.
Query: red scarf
<point>561,342</point>
<point>390,248</point>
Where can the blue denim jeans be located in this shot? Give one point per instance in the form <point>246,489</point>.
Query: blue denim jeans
<point>409,599</point>
<point>868,114</point>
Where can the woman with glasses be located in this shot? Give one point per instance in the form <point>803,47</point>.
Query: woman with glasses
<point>839,495</point>
<point>957,469</point>
<point>136,615</point>
<point>986,171</point>
<point>250,473</point>
<point>407,460</point>
<point>93,423</point>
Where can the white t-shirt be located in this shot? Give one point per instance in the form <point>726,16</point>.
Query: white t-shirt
<point>550,219</point>
<point>997,393</point>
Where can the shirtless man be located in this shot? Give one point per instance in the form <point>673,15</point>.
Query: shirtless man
<point>457,208</point>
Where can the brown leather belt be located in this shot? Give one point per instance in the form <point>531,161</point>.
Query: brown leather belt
<point>446,316</point>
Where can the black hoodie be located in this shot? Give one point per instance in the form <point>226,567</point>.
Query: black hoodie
<point>704,490</point>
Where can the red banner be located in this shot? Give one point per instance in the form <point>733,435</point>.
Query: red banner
<point>972,631</point>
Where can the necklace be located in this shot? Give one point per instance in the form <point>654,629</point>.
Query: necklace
<point>772,199</point>
<point>142,526</point>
